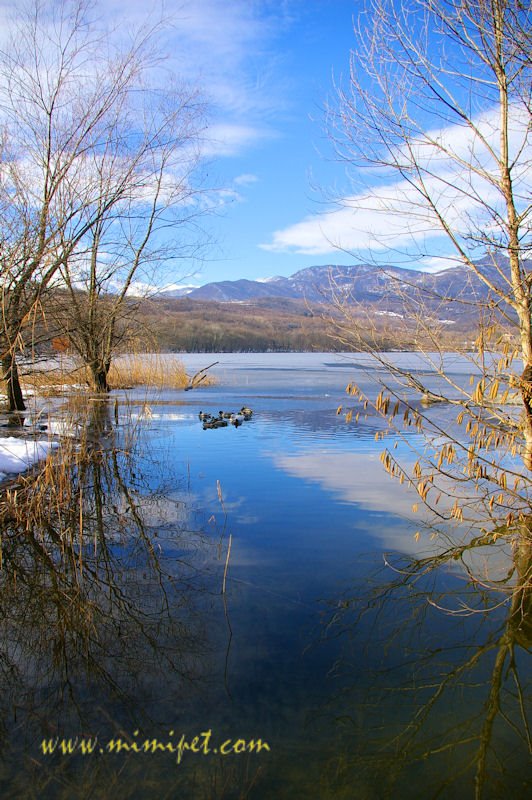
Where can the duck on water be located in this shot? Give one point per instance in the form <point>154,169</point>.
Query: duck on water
<point>221,421</point>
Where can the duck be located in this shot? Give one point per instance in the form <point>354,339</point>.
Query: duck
<point>216,422</point>
<point>221,421</point>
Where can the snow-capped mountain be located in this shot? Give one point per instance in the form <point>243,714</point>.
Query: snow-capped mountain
<point>388,288</point>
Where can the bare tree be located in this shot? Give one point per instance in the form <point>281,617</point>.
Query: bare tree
<point>61,86</point>
<point>438,104</point>
<point>147,203</point>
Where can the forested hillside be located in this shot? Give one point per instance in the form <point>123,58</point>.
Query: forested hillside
<point>175,325</point>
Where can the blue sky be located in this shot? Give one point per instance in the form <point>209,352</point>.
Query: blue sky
<point>267,68</point>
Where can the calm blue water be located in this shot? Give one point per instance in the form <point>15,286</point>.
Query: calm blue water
<point>360,684</point>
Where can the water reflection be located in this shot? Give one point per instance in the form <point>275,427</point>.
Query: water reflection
<point>429,701</point>
<point>103,613</point>
<point>113,619</point>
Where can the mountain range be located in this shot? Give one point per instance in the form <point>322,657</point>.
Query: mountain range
<point>388,307</point>
<point>388,289</point>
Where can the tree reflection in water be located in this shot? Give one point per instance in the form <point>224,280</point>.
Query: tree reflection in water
<point>104,591</point>
<point>113,621</point>
<point>428,702</point>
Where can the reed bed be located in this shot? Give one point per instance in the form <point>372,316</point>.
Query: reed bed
<point>147,370</point>
<point>127,372</point>
<point>46,503</point>
<point>56,381</point>
<point>61,501</point>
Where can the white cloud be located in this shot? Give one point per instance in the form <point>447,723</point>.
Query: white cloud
<point>439,263</point>
<point>245,180</point>
<point>376,221</point>
<point>229,47</point>
<point>393,214</point>
<point>225,49</point>
<point>228,139</point>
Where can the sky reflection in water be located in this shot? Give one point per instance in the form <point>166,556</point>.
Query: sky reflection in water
<point>358,683</point>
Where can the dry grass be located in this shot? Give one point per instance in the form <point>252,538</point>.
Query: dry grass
<point>56,381</point>
<point>56,506</point>
<point>147,370</point>
<point>128,371</point>
<point>46,491</point>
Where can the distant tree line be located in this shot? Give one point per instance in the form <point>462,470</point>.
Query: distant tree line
<point>190,326</point>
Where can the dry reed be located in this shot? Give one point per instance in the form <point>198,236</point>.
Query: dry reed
<point>45,502</point>
<point>59,501</point>
<point>147,370</point>
<point>127,371</point>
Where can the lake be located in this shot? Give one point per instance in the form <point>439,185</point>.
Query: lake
<point>326,669</point>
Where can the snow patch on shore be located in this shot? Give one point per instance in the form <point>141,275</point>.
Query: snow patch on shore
<point>17,455</point>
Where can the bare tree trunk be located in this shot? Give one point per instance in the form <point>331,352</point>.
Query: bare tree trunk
<point>527,449</point>
<point>10,375</point>
<point>526,394</point>
<point>521,613</point>
<point>100,374</point>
